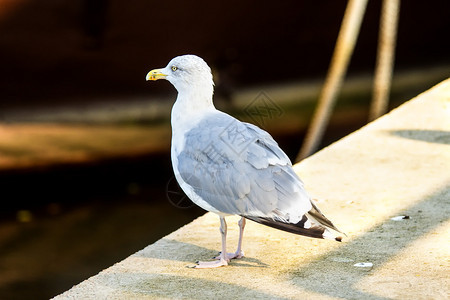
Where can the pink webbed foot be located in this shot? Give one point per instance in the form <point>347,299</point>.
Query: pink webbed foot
<point>211,264</point>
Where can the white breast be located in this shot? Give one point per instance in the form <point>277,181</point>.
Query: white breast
<point>181,124</point>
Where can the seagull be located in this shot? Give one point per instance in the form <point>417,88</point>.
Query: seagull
<point>230,167</point>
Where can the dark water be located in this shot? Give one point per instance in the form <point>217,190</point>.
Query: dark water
<point>61,225</point>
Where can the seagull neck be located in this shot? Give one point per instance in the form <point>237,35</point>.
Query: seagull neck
<point>193,102</point>
<point>188,110</point>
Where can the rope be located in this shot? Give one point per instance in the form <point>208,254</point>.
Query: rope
<point>345,45</point>
<point>385,58</point>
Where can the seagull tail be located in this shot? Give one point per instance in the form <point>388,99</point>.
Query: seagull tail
<point>313,224</point>
<point>318,219</point>
<point>316,215</point>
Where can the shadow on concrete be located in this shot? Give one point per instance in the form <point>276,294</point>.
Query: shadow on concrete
<point>430,136</point>
<point>190,253</point>
<point>137,285</point>
<point>334,274</point>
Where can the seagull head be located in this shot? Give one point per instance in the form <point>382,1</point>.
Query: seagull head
<point>187,73</point>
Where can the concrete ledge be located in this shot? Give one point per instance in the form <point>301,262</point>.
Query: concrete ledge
<point>397,165</point>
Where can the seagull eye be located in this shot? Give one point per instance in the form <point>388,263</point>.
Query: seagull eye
<point>174,68</point>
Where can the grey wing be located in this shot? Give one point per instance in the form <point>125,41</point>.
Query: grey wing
<point>238,168</point>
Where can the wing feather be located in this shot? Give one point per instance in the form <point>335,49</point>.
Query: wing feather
<point>238,168</point>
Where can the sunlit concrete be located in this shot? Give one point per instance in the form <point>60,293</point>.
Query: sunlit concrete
<point>397,165</point>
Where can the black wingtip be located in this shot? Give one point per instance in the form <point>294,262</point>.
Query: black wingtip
<point>318,231</point>
<point>314,232</point>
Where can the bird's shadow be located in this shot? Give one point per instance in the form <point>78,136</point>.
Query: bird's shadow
<point>190,253</point>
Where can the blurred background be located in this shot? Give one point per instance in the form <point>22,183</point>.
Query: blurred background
<point>85,171</point>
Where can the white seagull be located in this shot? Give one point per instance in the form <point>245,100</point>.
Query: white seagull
<point>230,167</point>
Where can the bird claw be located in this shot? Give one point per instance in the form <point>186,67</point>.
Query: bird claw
<point>231,256</point>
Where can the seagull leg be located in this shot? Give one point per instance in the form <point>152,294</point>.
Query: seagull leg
<point>222,259</point>
<point>239,253</point>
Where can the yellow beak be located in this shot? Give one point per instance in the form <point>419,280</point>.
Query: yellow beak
<point>155,75</point>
